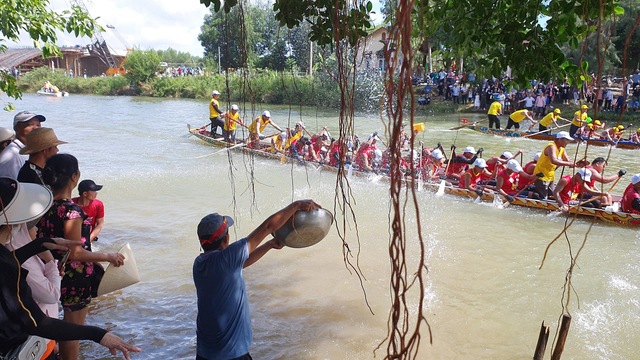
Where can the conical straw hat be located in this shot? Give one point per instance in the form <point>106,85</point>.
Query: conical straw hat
<point>116,278</point>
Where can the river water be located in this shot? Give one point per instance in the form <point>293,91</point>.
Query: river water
<point>486,297</point>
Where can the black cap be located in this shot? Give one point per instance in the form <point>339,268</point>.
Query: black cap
<point>88,185</point>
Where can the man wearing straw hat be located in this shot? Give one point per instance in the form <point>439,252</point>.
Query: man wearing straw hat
<point>224,320</point>
<point>42,143</point>
<point>10,159</point>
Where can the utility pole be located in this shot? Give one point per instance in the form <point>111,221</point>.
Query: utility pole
<point>310,58</point>
<point>218,60</point>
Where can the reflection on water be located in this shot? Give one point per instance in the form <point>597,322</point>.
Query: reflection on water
<point>486,297</point>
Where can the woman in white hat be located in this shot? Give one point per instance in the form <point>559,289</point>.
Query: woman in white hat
<point>6,135</point>
<point>67,219</point>
<point>20,315</point>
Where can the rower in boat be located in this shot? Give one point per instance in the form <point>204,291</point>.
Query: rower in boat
<point>517,117</point>
<point>531,165</point>
<point>630,202</point>
<point>512,179</point>
<point>612,134</point>
<point>597,168</point>
<point>458,164</point>
<point>257,127</point>
<point>551,117</point>
<point>366,152</point>
<point>574,189</point>
<point>500,161</point>
<point>552,156</point>
<point>579,120</point>
<point>434,166</point>
<point>635,137</point>
<point>495,109</point>
<point>470,180</point>
<point>231,121</point>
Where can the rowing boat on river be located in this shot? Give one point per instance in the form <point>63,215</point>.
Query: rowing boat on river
<point>622,144</point>
<point>613,217</point>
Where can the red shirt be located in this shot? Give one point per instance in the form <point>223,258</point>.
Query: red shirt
<point>509,182</point>
<point>94,211</point>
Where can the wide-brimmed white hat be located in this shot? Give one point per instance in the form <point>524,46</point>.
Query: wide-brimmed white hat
<point>6,134</point>
<point>22,202</point>
<point>116,278</point>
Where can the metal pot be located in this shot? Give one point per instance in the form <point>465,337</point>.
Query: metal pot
<point>305,228</point>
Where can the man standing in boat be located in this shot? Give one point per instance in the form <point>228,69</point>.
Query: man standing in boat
<point>517,117</point>
<point>231,121</point>
<point>579,119</point>
<point>495,109</point>
<point>224,319</point>
<point>552,156</point>
<point>214,113</point>
<point>551,117</point>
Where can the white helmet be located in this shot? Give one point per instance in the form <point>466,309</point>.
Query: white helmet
<point>266,113</point>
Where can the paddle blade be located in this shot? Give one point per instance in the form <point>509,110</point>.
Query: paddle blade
<point>440,191</point>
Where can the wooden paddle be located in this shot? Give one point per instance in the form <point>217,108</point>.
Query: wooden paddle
<point>540,132</point>
<point>466,125</point>
<point>440,191</point>
<point>219,151</point>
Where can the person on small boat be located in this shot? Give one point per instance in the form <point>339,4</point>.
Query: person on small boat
<point>231,121</point>
<point>517,117</point>
<point>531,165</point>
<point>42,143</point>
<point>552,156</point>
<point>579,119</point>
<point>630,202</point>
<point>495,164</point>
<point>258,125</point>
<point>214,113</point>
<point>635,137</point>
<point>512,179</point>
<point>434,165</point>
<point>495,109</point>
<point>458,164</point>
<point>278,143</point>
<point>470,180</point>
<point>223,325</point>
<point>575,189</point>
<point>10,159</point>
<point>597,168</point>
<point>366,153</point>
<point>612,134</point>
<point>293,135</point>
<point>6,136</point>
<point>551,117</point>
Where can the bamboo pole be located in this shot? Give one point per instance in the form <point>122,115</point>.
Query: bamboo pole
<point>541,346</point>
<point>562,337</point>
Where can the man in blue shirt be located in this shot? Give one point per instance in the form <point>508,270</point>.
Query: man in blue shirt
<point>224,320</point>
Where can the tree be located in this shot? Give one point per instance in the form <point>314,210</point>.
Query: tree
<point>142,66</point>
<point>174,57</point>
<point>34,18</point>
<point>225,31</point>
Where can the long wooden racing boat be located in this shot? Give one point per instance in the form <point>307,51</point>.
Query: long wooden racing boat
<point>612,217</point>
<point>622,144</point>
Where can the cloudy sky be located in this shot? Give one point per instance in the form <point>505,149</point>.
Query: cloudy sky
<point>145,24</point>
